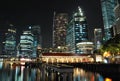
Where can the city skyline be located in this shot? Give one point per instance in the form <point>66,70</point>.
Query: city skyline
<point>23,14</point>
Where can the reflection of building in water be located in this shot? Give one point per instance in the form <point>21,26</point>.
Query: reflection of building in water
<point>82,75</point>
<point>66,58</point>
<point>24,74</point>
<point>38,74</point>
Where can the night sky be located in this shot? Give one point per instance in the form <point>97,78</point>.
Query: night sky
<point>24,13</point>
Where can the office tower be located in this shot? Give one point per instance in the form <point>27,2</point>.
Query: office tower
<point>60,22</point>
<point>76,31</point>
<point>2,42</point>
<point>108,16</point>
<point>10,42</point>
<point>117,17</point>
<point>98,38</point>
<point>26,44</point>
<point>36,31</point>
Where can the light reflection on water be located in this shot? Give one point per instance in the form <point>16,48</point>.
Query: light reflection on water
<point>82,75</point>
<point>20,73</point>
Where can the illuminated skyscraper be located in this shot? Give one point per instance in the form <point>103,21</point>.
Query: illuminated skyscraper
<point>36,31</point>
<point>26,44</point>
<point>76,31</point>
<point>60,22</point>
<point>98,37</point>
<point>108,16</point>
<point>10,42</point>
<point>117,17</point>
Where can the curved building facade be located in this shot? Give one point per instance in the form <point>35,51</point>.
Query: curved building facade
<point>26,44</point>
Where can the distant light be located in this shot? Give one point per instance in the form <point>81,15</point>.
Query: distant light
<point>108,79</point>
<point>105,61</point>
<point>58,47</point>
<point>11,24</point>
<point>29,27</point>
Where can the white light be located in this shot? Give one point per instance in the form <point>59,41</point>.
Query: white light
<point>30,27</point>
<point>80,10</point>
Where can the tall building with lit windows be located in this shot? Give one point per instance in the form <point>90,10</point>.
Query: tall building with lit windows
<point>10,42</point>
<point>26,44</point>
<point>108,16</point>
<point>36,31</point>
<point>98,37</point>
<point>60,22</point>
<point>76,31</point>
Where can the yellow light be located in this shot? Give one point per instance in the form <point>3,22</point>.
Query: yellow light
<point>108,79</point>
<point>47,60</point>
<point>106,54</point>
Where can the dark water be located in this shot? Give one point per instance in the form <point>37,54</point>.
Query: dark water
<point>20,73</point>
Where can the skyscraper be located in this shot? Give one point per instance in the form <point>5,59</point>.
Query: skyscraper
<point>2,42</point>
<point>117,17</point>
<point>60,22</point>
<point>76,31</point>
<point>10,42</point>
<point>36,31</point>
<point>108,16</point>
<point>26,44</point>
<point>98,37</point>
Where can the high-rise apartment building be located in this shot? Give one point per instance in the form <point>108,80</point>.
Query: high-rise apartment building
<point>76,31</point>
<point>26,44</point>
<point>10,42</point>
<point>60,22</point>
<point>108,16</point>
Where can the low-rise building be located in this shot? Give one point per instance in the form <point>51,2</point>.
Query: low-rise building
<point>65,58</point>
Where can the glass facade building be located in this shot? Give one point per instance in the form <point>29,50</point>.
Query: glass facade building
<point>60,22</point>
<point>76,31</point>
<point>26,44</point>
<point>108,16</point>
<point>10,42</point>
<point>36,31</point>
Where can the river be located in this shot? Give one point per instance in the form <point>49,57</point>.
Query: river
<point>9,72</point>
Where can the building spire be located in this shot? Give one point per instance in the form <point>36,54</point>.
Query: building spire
<point>80,11</point>
<point>53,27</point>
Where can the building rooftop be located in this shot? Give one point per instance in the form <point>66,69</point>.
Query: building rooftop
<point>63,54</point>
